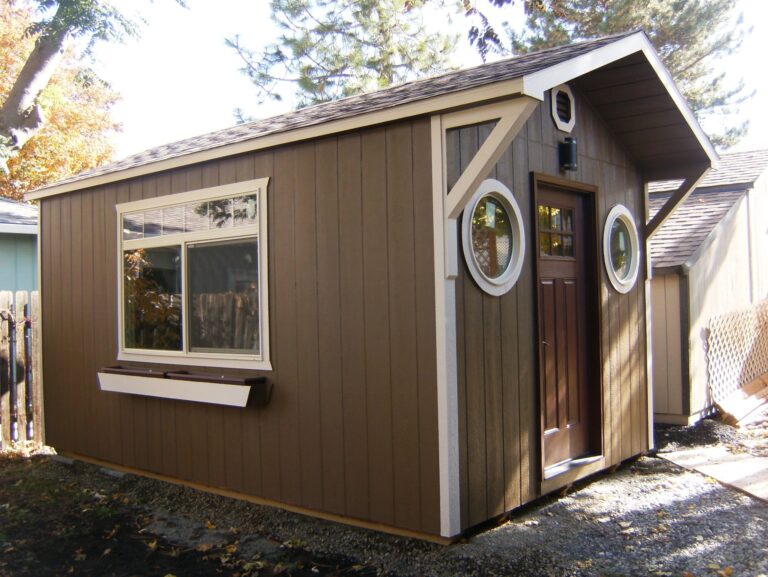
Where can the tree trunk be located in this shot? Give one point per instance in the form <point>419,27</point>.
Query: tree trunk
<point>20,116</point>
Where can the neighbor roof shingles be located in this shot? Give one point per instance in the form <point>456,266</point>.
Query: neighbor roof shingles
<point>12,212</point>
<point>508,69</point>
<point>688,226</point>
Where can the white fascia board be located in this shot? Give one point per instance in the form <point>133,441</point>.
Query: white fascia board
<point>18,228</point>
<point>440,103</point>
<point>538,83</point>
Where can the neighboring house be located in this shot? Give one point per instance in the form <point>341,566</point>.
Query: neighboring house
<point>440,283</point>
<point>18,246</point>
<point>708,258</point>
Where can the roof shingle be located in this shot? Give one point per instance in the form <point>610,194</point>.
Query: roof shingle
<point>451,82</point>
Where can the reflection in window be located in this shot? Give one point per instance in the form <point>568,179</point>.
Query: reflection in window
<point>152,298</point>
<point>621,253</point>
<point>555,231</point>
<point>491,237</point>
<point>224,296</point>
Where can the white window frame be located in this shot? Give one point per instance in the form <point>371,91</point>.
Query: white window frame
<point>504,282</point>
<point>561,125</point>
<point>258,231</point>
<point>622,213</point>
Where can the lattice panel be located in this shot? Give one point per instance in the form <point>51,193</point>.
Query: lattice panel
<point>737,349</point>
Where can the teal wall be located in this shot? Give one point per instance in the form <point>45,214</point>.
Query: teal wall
<point>18,262</point>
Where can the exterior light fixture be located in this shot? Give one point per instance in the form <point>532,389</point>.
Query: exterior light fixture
<point>569,154</point>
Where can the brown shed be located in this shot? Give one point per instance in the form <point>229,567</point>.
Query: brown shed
<point>414,309</point>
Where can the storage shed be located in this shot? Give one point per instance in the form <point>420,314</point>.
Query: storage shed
<point>708,259</point>
<point>393,309</point>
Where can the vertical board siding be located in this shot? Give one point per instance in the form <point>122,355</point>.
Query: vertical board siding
<point>498,365</point>
<point>351,427</point>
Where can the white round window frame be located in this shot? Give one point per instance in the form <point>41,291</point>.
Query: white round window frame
<point>622,213</point>
<point>563,126</point>
<point>504,282</point>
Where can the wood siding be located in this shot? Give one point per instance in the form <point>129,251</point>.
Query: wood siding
<point>352,425</point>
<point>499,428</point>
<point>666,328</point>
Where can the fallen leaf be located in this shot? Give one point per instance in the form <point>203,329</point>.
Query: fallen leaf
<point>713,567</point>
<point>209,525</point>
<point>688,574</point>
<point>204,547</point>
<point>625,524</point>
<point>106,552</point>
<point>80,555</point>
<point>169,575</point>
<point>152,545</point>
<point>231,549</point>
<point>727,572</point>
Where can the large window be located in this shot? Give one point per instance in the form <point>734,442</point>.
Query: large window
<point>193,278</point>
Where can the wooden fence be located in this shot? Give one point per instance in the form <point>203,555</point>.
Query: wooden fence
<point>21,413</point>
<point>737,349</point>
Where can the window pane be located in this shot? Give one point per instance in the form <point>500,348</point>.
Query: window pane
<point>567,245</point>
<point>555,223</point>
<point>153,223</point>
<point>133,226</point>
<point>246,210</point>
<point>544,246</point>
<point>621,253</point>
<point>196,217</point>
<point>567,220</point>
<point>220,213</point>
<point>173,220</point>
<point>224,297</point>
<point>557,245</point>
<point>543,217</point>
<point>152,296</point>
<point>491,237</point>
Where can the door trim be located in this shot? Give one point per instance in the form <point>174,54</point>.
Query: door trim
<point>589,192</point>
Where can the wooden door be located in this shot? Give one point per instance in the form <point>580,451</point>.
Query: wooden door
<point>565,306</point>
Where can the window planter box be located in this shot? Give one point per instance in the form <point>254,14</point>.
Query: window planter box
<point>229,390</point>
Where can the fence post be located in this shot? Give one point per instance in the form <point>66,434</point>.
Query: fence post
<point>20,309</point>
<point>36,344</point>
<point>5,366</point>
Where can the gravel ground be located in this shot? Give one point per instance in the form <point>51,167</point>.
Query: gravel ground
<point>650,517</point>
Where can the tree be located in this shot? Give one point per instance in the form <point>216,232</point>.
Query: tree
<point>21,114</point>
<point>77,133</point>
<point>330,49</point>
<point>689,35</point>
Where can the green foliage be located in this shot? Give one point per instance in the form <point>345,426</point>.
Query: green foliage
<point>329,49</point>
<point>689,35</point>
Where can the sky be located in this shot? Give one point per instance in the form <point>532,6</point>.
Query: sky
<point>180,80</point>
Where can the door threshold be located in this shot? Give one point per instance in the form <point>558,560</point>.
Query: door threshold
<point>565,466</point>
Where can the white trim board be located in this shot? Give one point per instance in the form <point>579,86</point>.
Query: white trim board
<point>201,392</point>
<point>18,229</point>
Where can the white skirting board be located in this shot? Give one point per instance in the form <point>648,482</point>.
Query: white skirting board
<point>201,392</point>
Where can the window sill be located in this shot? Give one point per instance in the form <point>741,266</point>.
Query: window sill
<point>199,360</point>
<point>228,390</point>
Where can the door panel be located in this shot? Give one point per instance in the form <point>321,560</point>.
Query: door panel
<point>566,346</point>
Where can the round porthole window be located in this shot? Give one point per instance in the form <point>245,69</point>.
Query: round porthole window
<point>621,248</point>
<point>493,238</point>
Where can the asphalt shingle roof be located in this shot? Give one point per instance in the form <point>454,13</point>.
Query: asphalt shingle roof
<point>451,82</point>
<point>12,212</point>
<point>693,221</point>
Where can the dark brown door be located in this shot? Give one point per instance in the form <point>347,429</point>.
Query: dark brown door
<point>566,346</point>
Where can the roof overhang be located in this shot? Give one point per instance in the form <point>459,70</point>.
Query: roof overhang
<point>18,229</point>
<point>592,69</point>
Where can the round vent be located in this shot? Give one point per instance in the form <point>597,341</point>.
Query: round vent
<point>563,108</point>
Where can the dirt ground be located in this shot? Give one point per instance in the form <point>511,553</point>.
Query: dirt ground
<point>59,517</point>
<point>73,519</point>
